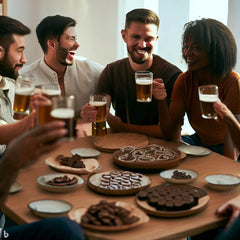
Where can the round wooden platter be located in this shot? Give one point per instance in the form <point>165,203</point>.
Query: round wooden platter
<point>92,165</point>
<point>76,215</point>
<point>115,141</point>
<point>149,165</point>
<point>95,179</point>
<point>202,204</point>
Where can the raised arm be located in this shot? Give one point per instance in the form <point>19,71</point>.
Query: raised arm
<point>170,118</point>
<point>25,150</point>
<point>13,130</point>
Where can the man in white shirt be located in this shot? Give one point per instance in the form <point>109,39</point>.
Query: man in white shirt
<point>75,76</point>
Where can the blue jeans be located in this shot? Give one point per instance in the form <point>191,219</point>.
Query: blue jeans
<point>48,229</point>
<point>194,139</point>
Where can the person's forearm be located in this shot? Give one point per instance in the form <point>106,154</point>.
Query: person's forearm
<point>10,131</point>
<point>234,128</point>
<point>7,176</point>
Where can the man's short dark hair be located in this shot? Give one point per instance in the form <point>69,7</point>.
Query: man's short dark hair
<point>8,27</point>
<point>52,27</point>
<point>142,15</point>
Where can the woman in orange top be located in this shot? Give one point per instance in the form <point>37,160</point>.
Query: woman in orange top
<point>209,50</point>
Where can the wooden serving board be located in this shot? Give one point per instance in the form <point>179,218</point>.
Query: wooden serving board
<point>114,141</point>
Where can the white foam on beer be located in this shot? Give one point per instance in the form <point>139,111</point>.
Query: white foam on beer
<point>144,81</point>
<point>51,92</point>
<point>62,113</point>
<point>97,103</point>
<point>24,91</point>
<point>208,98</point>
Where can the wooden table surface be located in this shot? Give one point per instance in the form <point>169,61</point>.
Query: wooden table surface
<point>157,228</point>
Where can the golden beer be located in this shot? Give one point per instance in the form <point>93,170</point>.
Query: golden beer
<point>44,109</point>
<point>66,115</point>
<point>100,104</point>
<point>99,128</point>
<point>206,104</point>
<point>22,99</point>
<point>101,108</point>
<point>144,90</point>
<point>208,94</point>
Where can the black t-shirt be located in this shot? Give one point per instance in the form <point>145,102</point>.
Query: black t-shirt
<point>118,81</point>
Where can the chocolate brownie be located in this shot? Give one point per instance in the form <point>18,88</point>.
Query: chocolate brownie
<point>171,197</point>
<point>75,161</point>
<point>108,214</point>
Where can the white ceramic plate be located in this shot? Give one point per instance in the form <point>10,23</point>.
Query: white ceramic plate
<point>85,152</point>
<point>222,181</point>
<point>194,150</point>
<point>16,187</point>
<point>42,181</point>
<point>167,175</point>
<point>50,208</point>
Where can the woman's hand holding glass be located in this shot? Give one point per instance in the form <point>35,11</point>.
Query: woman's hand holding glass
<point>159,91</point>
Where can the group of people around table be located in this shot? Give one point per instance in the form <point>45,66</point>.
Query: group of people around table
<point>209,50</point>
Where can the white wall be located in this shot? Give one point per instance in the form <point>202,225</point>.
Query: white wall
<point>96,24</point>
<point>234,25</point>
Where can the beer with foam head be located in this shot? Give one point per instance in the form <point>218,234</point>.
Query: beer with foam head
<point>63,109</point>
<point>208,94</point>
<point>144,90</point>
<point>144,81</point>
<point>66,115</point>
<point>45,106</point>
<point>101,108</point>
<point>22,99</point>
<point>206,104</point>
<point>100,104</point>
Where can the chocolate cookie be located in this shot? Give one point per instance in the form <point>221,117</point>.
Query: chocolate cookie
<point>62,181</point>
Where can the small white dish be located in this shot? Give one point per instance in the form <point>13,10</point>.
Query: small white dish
<point>194,150</point>
<point>167,175</point>
<point>16,187</point>
<point>222,181</point>
<point>85,152</point>
<point>42,181</point>
<point>50,208</point>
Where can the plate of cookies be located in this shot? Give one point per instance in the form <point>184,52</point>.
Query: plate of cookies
<point>60,182</point>
<point>118,182</point>
<point>109,216</point>
<point>172,200</point>
<point>179,176</point>
<point>73,164</point>
<point>150,157</point>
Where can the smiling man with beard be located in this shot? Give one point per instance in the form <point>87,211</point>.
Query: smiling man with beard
<point>76,76</point>
<point>12,58</point>
<point>118,80</point>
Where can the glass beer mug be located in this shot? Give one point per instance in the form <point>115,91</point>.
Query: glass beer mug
<point>23,92</point>
<point>100,104</point>
<point>144,81</point>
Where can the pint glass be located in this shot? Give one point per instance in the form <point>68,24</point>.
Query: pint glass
<point>144,81</point>
<point>63,109</point>
<point>45,106</point>
<point>100,104</point>
<point>208,94</point>
<point>23,92</point>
